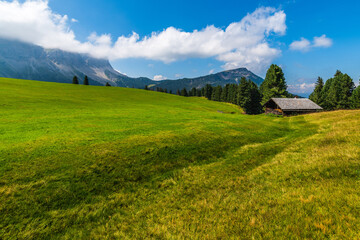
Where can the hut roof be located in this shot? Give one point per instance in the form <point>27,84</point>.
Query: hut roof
<point>295,104</point>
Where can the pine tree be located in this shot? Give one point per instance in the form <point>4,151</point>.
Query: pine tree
<point>337,92</point>
<point>224,93</point>
<point>252,99</point>
<point>108,84</point>
<point>75,80</point>
<point>274,84</point>
<point>86,80</point>
<point>178,92</point>
<point>193,92</point>
<point>355,98</point>
<point>216,93</point>
<point>242,91</point>
<point>208,91</point>
<point>324,100</point>
<point>146,87</point>
<point>184,93</point>
<point>232,94</point>
<point>171,92</point>
<point>315,96</point>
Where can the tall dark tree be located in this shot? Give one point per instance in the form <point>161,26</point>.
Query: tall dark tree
<point>216,93</point>
<point>355,98</point>
<point>184,93</point>
<point>198,92</point>
<point>146,87</point>
<point>232,94</point>
<point>193,92</point>
<point>86,80</point>
<point>315,96</point>
<point>337,92</point>
<point>242,92</point>
<point>203,92</point>
<point>274,84</point>
<point>224,93</point>
<point>178,92</point>
<point>252,99</point>
<point>108,84</point>
<point>208,91</point>
<point>75,80</point>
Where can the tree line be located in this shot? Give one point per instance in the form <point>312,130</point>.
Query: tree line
<point>338,92</point>
<point>245,94</point>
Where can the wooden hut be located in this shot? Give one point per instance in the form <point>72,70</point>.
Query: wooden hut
<point>290,106</point>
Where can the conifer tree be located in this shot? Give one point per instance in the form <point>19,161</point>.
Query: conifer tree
<point>232,93</point>
<point>274,84</point>
<point>252,99</point>
<point>242,92</point>
<point>184,93</point>
<point>108,84</point>
<point>224,93</point>
<point>337,92</point>
<point>216,93</point>
<point>178,92</point>
<point>86,80</point>
<point>193,92</point>
<point>75,80</point>
<point>315,96</point>
<point>355,98</point>
<point>146,87</point>
<point>208,91</point>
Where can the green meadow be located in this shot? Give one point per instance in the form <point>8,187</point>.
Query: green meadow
<point>86,162</point>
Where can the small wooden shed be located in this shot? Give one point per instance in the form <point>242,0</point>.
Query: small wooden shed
<point>290,106</point>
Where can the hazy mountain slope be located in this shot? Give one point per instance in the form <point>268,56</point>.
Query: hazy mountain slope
<point>222,78</point>
<point>27,61</point>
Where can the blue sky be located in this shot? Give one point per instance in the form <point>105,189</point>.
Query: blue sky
<point>336,25</point>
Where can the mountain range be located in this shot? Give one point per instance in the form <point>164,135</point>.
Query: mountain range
<point>28,61</point>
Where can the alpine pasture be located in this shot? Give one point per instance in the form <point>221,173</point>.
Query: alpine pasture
<point>86,162</point>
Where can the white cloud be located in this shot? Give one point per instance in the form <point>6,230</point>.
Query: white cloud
<point>302,88</point>
<point>74,20</point>
<point>178,75</point>
<point>120,72</point>
<point>302,45</point>
<point>241,44</point>
<point>159,78</point>
<point>305,45</point>
<point>323,41</point>
<point>211,71</point>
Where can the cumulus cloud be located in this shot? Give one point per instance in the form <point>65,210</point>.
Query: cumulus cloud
<point>322,41</point>
<point>305,45</point>
<point>302,45</point>
<point>301,88</point>
<point>159,78</point>
<point>241,44</point>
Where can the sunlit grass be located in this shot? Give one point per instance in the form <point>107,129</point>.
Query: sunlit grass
<point>84,162</point>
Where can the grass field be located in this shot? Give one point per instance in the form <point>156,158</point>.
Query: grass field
<point>85,162</point>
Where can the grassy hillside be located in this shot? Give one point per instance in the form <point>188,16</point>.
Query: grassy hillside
<point>84,162</point>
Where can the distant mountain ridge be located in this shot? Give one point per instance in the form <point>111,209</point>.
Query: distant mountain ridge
<point>27,61</point>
